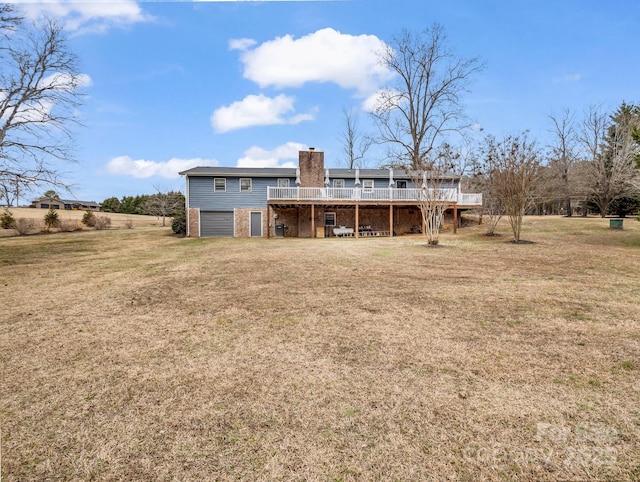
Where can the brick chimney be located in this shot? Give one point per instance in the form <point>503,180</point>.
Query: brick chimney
<point>311,164</point>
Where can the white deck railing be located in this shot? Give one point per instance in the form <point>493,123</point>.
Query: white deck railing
<point>327,194</point>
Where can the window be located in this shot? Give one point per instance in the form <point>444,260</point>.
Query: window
<point>283,182</point>
<point>367,184</point>
<point>329,219</point>
<point>338,183</point>
<point>245,184</point>
<point>401,184</point>
<point>219,184</point>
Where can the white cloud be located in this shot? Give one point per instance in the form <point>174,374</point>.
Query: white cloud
<point>285,155</point>
<point>241,44</point>
<point>326,55</point>
<point>256,110</point>
<point>86,16</point>
<point>66,82</point>
<point>141,168</point>
<point>568,78</point>
<point>40,111</point>
<point>371,102</point>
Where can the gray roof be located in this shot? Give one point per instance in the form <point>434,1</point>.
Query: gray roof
<point>291,172</point>
<point>64,201</point>
<point>240,171</point>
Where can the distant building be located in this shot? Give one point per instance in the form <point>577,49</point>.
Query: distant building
<point>68,204</point>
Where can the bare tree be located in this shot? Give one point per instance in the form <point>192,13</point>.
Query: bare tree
<point>492,206</point>
<point>39,95</point>
<point>164,204</point>
<point>355,144</point>
<point>562,158</point>
<point>436,193</point>
<point>415,115</point>
<point>592,131</point>
<point>11,186</point>
<point>9,20</point>
<point>512,168</point>
<point>612,175</point>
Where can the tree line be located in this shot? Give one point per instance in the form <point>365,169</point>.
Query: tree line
<point>161,204</point>
<point>590,164</point>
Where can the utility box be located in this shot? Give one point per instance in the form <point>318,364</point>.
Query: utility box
<point>616,223</point>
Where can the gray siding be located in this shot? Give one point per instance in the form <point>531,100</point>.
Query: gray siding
<point>201,194</point>
<point>379,183</point>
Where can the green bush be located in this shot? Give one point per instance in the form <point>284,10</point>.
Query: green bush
<point>7,221</point>
<point>89,219</point>
<point>51,219</point>
<point>179,224</point>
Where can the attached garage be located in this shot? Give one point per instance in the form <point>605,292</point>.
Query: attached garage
<point>216,224</point>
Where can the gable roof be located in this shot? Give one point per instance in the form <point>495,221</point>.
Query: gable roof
<point>240,171</point>
<point>291,172</point>
<point>65,201</point>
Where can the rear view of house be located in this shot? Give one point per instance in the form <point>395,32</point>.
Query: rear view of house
<point>312,201</point>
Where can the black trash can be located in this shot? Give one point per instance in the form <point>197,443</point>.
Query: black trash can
<point>279,228</point>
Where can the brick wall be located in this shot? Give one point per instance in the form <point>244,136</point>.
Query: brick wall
<point>298,221</point>
<point>311,164</point>
<point>288,217</point>
<point>242,222</point>
<point>194,222</point>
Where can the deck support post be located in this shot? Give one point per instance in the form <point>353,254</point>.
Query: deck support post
<point>455,219</point>
<point>391,221</point>
<point>313,221</point>
<point>357,227</point>
<point>268,221</point>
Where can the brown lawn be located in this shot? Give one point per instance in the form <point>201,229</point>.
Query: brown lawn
<point>129,354</point>
<point>74,218</point>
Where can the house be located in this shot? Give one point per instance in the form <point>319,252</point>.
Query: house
<point>311,201</point>
<point>68,204</point>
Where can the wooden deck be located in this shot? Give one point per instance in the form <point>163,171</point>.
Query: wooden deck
<point>361,196</point>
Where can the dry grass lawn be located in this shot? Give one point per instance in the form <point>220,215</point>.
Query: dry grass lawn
<point>136,355</point>
<point>118,221</point>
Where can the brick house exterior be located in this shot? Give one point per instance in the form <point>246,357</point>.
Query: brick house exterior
<point>310,201</point>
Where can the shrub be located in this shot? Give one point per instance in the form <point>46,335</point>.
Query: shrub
<point>102,222</point>
<point>24,226</point>
<point>128,224</point>
<point>89,219</point>
<point>51,219</point>
<point>7,221</point>
<point>179,224</point>
<point>70,226</point>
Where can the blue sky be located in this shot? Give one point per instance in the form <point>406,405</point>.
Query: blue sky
<point>176,85</point>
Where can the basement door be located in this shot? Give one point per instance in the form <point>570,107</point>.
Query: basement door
<point>256,224</point>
